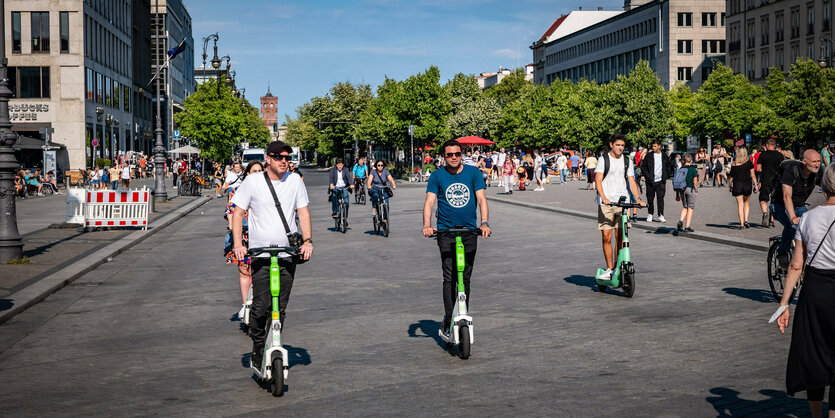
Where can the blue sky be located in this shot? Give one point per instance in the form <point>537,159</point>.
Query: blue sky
<point>303,47</point>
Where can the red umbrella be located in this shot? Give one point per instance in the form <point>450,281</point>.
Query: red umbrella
<point>474,140</point>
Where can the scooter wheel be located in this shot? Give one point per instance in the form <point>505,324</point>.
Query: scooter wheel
<point>277,384</point>
<point>601,287</point>
<point>464,345</point>
<point>628,285</point>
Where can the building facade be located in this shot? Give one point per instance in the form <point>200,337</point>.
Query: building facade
<point>143,122</point>
<point>764,34</point>
<point>269,113</point>
<point>681,40</point>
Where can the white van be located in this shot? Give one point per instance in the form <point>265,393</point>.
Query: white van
<point>295,156</point>
<point>252,154</point>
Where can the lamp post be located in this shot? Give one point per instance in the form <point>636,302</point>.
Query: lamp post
<point>11,243</point>
<point>824,58</point>
<point>160,194</point>
<point>205,44</point>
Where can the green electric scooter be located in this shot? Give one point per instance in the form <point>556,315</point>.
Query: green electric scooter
<point>623,276</point>
<point>275,364</point>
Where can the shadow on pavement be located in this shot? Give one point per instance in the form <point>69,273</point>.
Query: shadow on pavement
<point>582,281</point>
<point>429,329</point>
<point>6,304</point>
<point>757,295</point>
<point>728,404</point>
<point>42,249</point>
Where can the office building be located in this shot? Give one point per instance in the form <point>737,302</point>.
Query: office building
<point>681,40</point>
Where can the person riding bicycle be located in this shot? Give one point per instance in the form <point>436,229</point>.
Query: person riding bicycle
<point>360,171</point>
<point>340,181</point>
<point>457,188</point>
<point>377,181</point>
<point>789,203</point>
<point>266,229</point>
<point>613,174</point>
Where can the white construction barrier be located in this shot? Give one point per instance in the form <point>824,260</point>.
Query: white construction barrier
<point>109,208</point>
<point>76,197</point>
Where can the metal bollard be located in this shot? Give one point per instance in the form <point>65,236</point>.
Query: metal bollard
<point>153,200</point>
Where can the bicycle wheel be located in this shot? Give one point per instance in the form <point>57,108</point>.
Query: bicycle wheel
<point>777,274</point>
<point>343,217</point>
<point>385,220</point>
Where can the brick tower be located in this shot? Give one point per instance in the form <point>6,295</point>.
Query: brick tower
<point>269,109</point>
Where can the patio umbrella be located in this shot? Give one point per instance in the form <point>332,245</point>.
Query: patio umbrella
<point>186,149</point>
<point>474,141</point>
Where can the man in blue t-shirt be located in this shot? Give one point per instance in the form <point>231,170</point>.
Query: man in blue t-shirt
<point>457,188</point>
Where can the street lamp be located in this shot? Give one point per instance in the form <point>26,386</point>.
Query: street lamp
<point>215,59</point>
<point>160,194</point>
<point>205,44</point>
<point>11,243</point>
<point>824,58</point>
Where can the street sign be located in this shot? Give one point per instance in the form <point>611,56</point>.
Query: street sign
<point>692,142</point>
<point>748,138</point>
<point>94,142</point>
<point>176,133</point>
<point>411,130</point>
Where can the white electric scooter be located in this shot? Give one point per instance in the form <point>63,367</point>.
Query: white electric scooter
<point>461,327</point>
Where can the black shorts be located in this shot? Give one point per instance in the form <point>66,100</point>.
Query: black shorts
<point>741,188</point>
<point>765,192</point>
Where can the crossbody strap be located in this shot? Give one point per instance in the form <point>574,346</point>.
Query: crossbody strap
<point>819,245</point>
<point>277,203</point>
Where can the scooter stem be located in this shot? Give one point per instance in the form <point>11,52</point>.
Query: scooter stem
<point>275,284</point>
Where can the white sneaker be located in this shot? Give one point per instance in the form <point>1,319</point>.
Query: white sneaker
<point>606,275</point>
<point>661,219</point>
<point>241,312</point>
<point>649,218</point>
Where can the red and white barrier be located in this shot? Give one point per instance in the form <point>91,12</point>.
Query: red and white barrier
<point>115,208</point>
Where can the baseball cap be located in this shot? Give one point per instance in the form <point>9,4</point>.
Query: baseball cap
<point>275,148</point>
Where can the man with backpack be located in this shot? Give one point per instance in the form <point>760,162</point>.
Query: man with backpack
<point>767,164</point>
<point>614,173</point>
<point>656,169</point>
<point>797,182</point>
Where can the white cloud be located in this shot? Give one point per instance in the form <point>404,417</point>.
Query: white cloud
<point>504,53</point>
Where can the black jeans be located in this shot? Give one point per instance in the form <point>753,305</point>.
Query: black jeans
<point>262,300</point>
<point>446,243</point>
<point>658,189</point>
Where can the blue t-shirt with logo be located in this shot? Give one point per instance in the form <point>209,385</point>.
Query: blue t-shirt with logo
<point>456,196</point>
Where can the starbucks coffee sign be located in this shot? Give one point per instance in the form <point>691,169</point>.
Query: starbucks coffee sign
<point>26,112</point>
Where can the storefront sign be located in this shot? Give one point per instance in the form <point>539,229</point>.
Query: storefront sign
<point>26,112</point>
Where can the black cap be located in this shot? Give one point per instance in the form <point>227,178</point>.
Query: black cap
<point>275,148</point>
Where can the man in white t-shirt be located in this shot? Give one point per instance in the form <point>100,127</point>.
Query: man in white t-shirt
<point>126,177</point>
<point>499,160</point>
<point>233,178</point>
<point>613,174</point>
<point>265,230</point>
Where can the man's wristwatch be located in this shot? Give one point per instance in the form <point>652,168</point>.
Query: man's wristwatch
<point>308,240</point>
<point>486,224</point>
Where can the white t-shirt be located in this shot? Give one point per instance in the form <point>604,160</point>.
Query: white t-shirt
<point>232,180</point>
<point>265,226</point>
<point>537,162</point>
<point>614,185</point>
<point>810,230</point>
<point>126,173</point>
<point>499,159</point>
<point>562,161</point>
<point>658,166</point>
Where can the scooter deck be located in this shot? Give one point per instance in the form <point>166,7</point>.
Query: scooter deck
<point>614,282</point>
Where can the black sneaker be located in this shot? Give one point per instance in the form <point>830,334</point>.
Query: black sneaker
<point>689,229</point>
<point>680,226</point>
<point>333,215</point>
<point>257,358</point>
<point>445,327</point>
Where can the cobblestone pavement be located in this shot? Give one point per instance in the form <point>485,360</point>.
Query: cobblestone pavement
<point>154,331</point>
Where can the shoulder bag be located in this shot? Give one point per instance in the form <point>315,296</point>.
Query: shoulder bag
<point>294,238</point>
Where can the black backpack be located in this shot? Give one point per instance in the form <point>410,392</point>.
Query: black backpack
<point>625,166</point>
<point>776,185</point>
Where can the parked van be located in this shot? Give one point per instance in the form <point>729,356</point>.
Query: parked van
<point>252,154</point>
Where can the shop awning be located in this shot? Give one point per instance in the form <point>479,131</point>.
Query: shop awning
<point>25,142</point>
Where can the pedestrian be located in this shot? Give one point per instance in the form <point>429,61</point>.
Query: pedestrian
<point>575,166</point>
<point>233,178</point>
<point>500,160</point>
<point>701,165</point>
<point>719,167</point>
<point>508,170</point>
<point>244,264</point>
<point>614,175</point>
<point>767,164</point>
<point>810,364</point>
<point>590,164</point>
<point>742,181</point>
<point>488,166</point>
<point>562,167</point>
<point>521,175</point>
<point>688,195</point>
<point>126,177</point>
<point>538,170</point>
<point>656,169</point>
<point>826,156</point>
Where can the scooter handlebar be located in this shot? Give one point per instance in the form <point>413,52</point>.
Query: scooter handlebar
<point>453,231</point>
<point>272,251</point>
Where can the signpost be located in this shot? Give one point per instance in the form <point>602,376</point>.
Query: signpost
<point>748,138</point>
<point>46,132</point>
<point>412,136</point>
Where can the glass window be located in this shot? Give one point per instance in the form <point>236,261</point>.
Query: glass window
<point>40,31</point>
<point>108,90</point>
<point>723,19</point>
<point>89,84</point>
<point>685,73</point>
<point>708,19</point>
<point>99,89</point>
<point>65,32</point>
<point>811,20</point>
<point>32,82</point>
<point>685,19</point>
<point>827,12</point>
<point>115,94</point>
<point>685,46</point>
<point>126,93</point>
<point>16,39</point>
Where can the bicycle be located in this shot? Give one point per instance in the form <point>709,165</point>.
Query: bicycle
<point>359,191</point>
<point>381,219</point>
<point>341,220</point>
<point>776,273</point>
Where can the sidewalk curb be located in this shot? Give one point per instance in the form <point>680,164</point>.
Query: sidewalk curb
<point>31,295</point>
<point>702,236</point>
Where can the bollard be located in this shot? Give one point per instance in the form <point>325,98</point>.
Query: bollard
<point>153,200</point>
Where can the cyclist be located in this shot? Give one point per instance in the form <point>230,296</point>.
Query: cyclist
<point>266,229</point>
<point>614,173</point>
<point>377,181</point>
<point>457,188</point>
<point>340,181</point>
<point>233,179</point>
<point>789,203</point>
<point>359,171</point>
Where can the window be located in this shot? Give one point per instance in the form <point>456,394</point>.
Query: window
<point>126,102</point>
<point>713,46</point>
<point>90,84</point>
<point>751,72</point>
<point>751,34</point>
<point>764,64</point>
<point>810,50</point>
<point>29,82</point>
<point>685,73</point>
<point>795,16</point>
<point>685,46</point>
<point>827,15</point>
<point>115,94</point>
<point>778,27</point>
<point>764,30</point>
<point>795,52</point>
<point>709,19</point>
<point>685,19</point>
<point>99,89</point>
<point>65,31</point>
<point>16,39</point>
<point>810,20</point>
<point>108,92</point>
<point>779,59</point>
<point>40,31</point>
<point>723,19</point>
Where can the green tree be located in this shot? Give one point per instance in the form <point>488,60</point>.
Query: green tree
<point>682,98</point>
<point>727,103</point>
<point>472,112</point>
<point>773,107</point>
<point>642,108</point>
<point>810,103</point>
<point>218,121</point>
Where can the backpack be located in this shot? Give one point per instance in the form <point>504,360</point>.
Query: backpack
<point>776,186</point>
<point>625,166</point>
<point>680,179</point>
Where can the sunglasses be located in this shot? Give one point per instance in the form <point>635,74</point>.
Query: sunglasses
<point>453,154</point>
<point>379,165</point>
<point>280,157</point>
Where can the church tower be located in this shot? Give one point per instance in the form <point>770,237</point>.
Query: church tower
<point>269,110</point>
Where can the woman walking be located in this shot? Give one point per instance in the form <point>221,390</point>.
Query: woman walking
<point>508,171</point>
<point>590,163</point>
<point>701,165</point>
<point>811,363</point>
<point>742,182</point>
<point>688,195</point>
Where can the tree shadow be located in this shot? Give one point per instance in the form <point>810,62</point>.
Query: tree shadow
<point>6,304</point>
<point>43,248</point>
<point>728,404</point>
<point>582,281</point>
<point>429,329</point>
<point>757,295</point>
